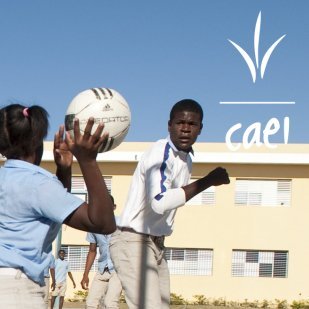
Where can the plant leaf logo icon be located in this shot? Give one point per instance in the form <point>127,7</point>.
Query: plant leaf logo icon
<point>254,67</point>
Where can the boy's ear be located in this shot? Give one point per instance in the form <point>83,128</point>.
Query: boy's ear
<point>169,125</point>
<point>201,128</point>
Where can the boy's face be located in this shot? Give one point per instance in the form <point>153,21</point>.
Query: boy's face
<point>61,255</point>
<point>184,129</point>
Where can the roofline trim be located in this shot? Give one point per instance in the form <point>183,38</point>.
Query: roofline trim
<point>204,157</point>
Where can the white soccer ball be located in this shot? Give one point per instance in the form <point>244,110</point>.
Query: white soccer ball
<point>104,105</point>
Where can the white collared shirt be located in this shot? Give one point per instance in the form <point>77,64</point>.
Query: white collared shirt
<point>156,189</point>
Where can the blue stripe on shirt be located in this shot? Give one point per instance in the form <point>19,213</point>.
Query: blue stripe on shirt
<point>162,170</point>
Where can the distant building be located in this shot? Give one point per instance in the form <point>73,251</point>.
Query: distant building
<point>246,240</point>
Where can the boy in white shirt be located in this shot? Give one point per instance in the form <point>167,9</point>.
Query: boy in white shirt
<point>159,186</point>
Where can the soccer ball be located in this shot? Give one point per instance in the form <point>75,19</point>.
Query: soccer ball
<point>104,105</point>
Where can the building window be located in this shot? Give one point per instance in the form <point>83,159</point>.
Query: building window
<point>254,192</point>
<point>254,263</point>
<point>206,197</point>
<point>77,255</point>
<point>196,262</point>
<point>79,187</point>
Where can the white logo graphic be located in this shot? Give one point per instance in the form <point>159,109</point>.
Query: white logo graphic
<point>254,67</point>
<point>255,133</point>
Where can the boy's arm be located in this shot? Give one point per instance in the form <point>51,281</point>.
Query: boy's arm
<point>172,198</point>
<point>89,262</point>
<point>71,277</point>
<point>217,177</point>
<point>52,274</point>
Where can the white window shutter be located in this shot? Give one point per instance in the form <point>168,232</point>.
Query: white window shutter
<point>261,192</point>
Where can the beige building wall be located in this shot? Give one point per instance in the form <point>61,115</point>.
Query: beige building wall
<point>224,227</point>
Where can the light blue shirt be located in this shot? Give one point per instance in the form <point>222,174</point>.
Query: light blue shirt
<point>102,242</point>
<point>33,205</point>
<point>62,267</point>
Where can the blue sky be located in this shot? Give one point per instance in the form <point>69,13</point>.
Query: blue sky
<point>155,53</point>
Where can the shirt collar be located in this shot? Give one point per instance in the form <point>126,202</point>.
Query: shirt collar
<point>176,150</point>
<point>13,163</point>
